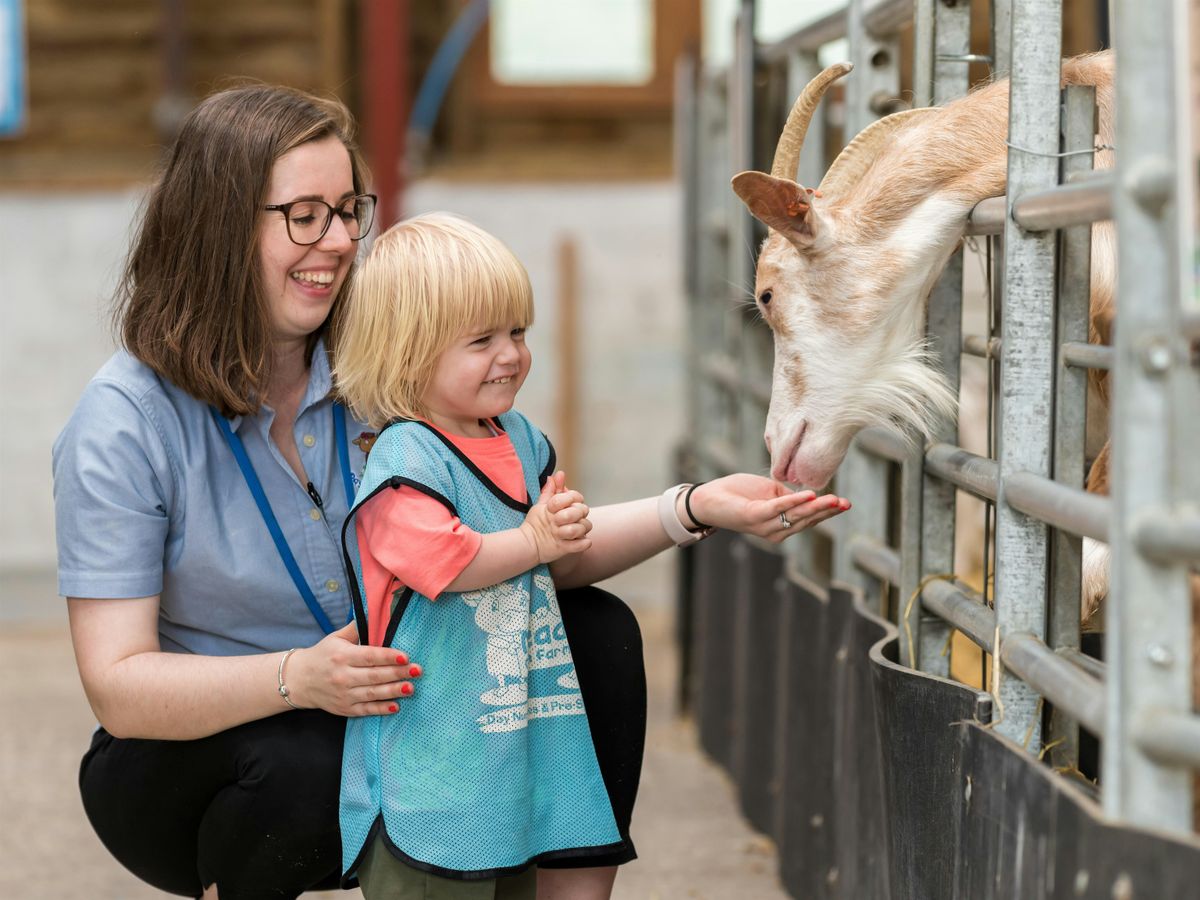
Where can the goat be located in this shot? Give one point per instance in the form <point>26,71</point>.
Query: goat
<point>845,272</point>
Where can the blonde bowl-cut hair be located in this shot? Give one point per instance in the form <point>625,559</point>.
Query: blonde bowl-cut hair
<point>426,282</point>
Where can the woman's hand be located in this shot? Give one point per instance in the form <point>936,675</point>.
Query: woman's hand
<point>340,676</point>
<point>557,525</point>
<point>756,505</point>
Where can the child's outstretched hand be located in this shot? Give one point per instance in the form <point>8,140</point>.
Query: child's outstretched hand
<point>557,525</point>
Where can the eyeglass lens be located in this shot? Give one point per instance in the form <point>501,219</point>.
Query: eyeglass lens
<point>308,220</point>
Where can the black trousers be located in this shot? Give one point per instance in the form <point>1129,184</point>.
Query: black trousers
<point>255,808</point>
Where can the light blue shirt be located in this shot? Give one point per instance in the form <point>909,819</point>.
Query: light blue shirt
<point>150,500</point>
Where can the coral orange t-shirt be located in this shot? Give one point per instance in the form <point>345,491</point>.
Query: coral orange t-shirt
<point>408,539</point>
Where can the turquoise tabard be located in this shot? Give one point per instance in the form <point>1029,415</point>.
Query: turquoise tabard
<point>490,765</point>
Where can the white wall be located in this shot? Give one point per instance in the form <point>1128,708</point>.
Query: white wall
<point>62,256</point>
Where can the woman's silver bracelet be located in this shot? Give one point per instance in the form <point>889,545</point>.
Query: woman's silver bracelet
<point>283,688</point>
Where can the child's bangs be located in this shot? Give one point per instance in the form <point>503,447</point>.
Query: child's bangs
<point>500,302</point>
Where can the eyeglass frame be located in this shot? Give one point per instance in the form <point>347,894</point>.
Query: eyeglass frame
<point>286,209</point>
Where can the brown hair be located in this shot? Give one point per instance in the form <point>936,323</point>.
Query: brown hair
<point>426,282</point>
<point>190,304</point>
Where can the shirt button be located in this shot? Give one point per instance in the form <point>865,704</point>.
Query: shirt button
<point>331,585</point>
<point>309,440</point>
<point>314,514</point>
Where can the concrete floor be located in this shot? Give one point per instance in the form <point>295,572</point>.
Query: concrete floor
<point>692,841</point>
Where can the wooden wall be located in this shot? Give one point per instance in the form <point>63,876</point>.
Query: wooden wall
<point>98,73</point>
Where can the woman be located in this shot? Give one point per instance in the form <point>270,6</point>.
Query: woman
<point>200,486</point>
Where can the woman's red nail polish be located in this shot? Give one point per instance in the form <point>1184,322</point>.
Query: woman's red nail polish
<point>414,671</point>
<point>401,659</point>
<point>406,690</point>
<point>393,708</point>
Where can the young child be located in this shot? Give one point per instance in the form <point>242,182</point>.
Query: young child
<point>459,532</point>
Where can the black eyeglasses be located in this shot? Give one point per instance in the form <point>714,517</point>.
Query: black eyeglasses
<point>308,220</point>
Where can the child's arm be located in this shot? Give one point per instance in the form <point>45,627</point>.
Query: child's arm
<point>555,527</point>
<point>625,534</point>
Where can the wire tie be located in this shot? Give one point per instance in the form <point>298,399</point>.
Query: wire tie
<point>1096,149</point>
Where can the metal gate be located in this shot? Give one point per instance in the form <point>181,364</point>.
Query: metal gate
<point>877,775</point>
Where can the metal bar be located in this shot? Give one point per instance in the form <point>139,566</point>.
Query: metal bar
<point>1059,681</point>
<point>742,339</point>
<point>723,370</point>
<point>874,87</point>
<point>964,58</point>
<point>1065,205</point>
<point>884,18</point>
<point>1002,26</point>
<point>687,157</point>
<point>952,45</point>
<point>1155,399</point>
<point>982,346</point>
<point>975,474</point>
<point>1170,737</point>
<point>908,616</point>
<point>1086,356</point>
<point>987,216</point>
<point>964,609</point>
<point>1070,407</point>
<point>809,39</point>
<point>1168,538</point>
<point>1077,203</point>
<point>720,457</point>
<point>865,478</point>
<point>875,558</point>
<point>924,36</point>
<point>1079,176</point>
<point>885,444</point>
<point>1028,351</point>
<point>941,34</point>
<point>1089,664</point>
<point>1071,509</point>
<point>827,528</point>
<point>710,304</point>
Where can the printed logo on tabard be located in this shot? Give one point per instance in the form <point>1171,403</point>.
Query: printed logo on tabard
<point>518,642</point>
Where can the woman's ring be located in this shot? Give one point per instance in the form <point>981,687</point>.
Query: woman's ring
<point>785,521</point>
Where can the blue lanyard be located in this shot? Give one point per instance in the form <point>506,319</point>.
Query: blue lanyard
<point>264,506</point>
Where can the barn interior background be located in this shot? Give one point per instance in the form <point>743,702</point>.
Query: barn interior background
<point>554,123</point>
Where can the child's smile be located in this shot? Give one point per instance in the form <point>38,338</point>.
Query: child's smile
<point>477,377</point>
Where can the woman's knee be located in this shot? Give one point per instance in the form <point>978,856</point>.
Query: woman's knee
<point>273,831</point>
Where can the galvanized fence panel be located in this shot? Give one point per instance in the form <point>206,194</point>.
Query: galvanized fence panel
<point>1148,639</point>
<point>913,747</point>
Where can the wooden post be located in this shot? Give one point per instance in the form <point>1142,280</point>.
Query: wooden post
<point>385,40</point>
<point>567,338</point>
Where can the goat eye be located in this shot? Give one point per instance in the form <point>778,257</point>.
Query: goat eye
<point>764,298</point>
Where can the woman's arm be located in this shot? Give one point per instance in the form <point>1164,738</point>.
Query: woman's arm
<point>137,690</point>
<point>626,534</point>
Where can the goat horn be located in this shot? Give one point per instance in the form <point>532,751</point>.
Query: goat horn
<point>787,151</point>
<point>857,156</point>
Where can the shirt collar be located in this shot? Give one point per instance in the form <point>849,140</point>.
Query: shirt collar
<point>320,384</point>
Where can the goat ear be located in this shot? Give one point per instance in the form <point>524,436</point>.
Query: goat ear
<point>779,203</point>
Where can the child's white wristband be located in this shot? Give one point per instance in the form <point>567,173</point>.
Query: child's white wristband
<point>668,517</point>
